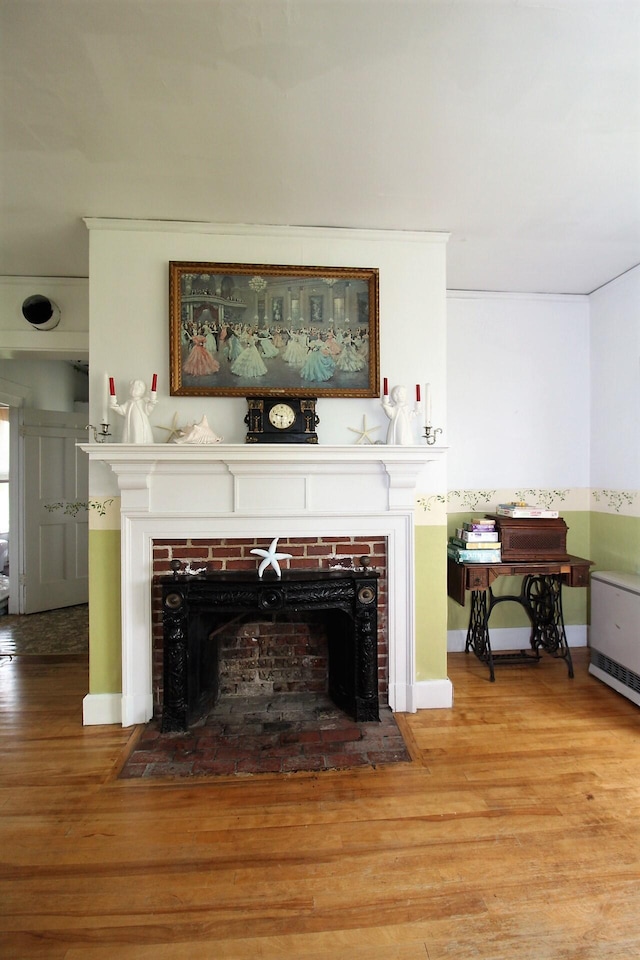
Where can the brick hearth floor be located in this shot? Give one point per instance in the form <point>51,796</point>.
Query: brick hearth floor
<point>279,734</point>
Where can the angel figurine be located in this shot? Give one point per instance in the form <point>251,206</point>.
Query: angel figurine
<point>136,410</point>
<point>400,415</point>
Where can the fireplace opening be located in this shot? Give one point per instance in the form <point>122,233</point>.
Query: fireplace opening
<point>285,666</point>
<point>198,609</point>
<point>264,658</point>
<point>270,657</point>
<point>273,681</point>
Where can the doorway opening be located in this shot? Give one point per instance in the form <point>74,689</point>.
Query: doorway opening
<point>43,413</point>
<point>4,509</point>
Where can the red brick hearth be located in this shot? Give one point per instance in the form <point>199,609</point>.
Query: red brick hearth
<point>291,734</point>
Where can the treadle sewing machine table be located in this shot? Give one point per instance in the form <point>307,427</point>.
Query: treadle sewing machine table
<point>540,595</point>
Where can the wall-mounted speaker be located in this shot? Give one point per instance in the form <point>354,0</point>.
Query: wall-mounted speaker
<point>40,312</point>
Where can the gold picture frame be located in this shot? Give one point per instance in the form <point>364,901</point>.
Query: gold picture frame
<point>244,330</point>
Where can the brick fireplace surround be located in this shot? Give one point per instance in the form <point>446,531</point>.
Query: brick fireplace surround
<point>313,497</point>
<point>295,658</point>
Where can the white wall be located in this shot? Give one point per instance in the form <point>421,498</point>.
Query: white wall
<point>615,383</point>
<point>129,333</point>
<point>518,390</point>
<point>44,384</point>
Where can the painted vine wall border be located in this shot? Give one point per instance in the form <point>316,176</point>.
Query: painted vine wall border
<point>622,502</point>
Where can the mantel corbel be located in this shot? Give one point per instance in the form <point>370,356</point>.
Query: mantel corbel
<point>403,478</point>
<point>134,482</point>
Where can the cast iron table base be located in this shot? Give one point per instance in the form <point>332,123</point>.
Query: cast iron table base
<point>541,598</point>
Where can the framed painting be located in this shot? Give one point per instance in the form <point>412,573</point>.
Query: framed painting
<point>264,330</point>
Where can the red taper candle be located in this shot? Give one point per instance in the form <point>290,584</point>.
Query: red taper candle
<point>385,387</point>
<point>154,383</point>
<point>112,387</point>
<point>417,392</point>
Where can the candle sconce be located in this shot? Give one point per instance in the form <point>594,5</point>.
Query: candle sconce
<point>430,434</point>
<point>101,435</point>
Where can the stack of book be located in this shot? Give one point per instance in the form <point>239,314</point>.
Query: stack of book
<point>476,542</point>
<point>520,510</point>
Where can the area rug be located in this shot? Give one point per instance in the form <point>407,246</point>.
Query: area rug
<point>282,734</point>
<point>52,633</point>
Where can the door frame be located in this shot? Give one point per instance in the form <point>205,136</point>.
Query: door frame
<point>15,396</point>
<point>16,514</point>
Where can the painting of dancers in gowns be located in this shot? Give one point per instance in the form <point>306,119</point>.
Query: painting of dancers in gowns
<point>261,330</point>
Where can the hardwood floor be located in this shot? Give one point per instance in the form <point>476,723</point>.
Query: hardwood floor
<point>514,834</point>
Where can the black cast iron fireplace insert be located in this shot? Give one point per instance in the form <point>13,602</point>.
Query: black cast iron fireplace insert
<point>194,608</point>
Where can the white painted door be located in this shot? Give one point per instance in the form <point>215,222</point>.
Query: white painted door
<point>54,484</point>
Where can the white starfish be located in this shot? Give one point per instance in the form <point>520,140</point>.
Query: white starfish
<point>271,558</point>
<point>174,430</point>
<point>364,433</point>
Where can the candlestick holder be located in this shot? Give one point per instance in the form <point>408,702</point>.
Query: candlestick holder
<point>101,436</point>
<point>430,434</point>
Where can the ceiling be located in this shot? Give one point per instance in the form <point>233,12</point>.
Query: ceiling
<point>512,124</point>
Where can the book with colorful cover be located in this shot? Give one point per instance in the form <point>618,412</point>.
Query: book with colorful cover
<point>474,544</point>
<point>525,511</point>
<point>483,525</point>
<point>479,536</point>
<point>461,555</point>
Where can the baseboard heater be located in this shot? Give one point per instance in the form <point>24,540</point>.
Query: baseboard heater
<point>614,636</point>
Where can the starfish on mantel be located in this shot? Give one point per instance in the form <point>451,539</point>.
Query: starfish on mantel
<point>363,435</point>
<point>173,431</point>
<point>271,558</point>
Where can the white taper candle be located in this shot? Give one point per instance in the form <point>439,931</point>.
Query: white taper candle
<point>427,404</point>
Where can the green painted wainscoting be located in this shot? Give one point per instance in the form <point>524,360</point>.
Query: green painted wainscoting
<point>105,633</point>
<point>431,605</point>
<point>615,542</point>
<point>105,673</point>
<point>610,540</point>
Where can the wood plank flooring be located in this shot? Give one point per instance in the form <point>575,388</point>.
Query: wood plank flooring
<point>513,835</point>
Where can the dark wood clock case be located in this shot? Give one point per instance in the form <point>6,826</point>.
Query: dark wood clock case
<point>262,430</point>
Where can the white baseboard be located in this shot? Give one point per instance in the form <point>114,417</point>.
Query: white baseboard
<point>514,638</point>
<point>99,708</point>
<point>102,708</point>
<point>433,694</point>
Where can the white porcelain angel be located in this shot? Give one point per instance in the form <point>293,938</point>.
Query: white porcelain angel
<point>400,414</point>
<point>136,410</point>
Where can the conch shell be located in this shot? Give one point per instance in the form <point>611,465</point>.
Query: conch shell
<point>198,433</point>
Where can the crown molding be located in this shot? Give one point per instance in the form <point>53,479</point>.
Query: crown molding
<point>263,230</point>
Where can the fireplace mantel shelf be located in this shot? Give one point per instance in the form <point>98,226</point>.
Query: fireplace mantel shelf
<point>263,453</point>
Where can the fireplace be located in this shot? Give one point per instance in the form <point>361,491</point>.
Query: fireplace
<point>306,623</point>
<point>227,491</point>
<point>196,609</point>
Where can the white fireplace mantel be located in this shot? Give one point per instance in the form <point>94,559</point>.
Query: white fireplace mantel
<point>175,491</point>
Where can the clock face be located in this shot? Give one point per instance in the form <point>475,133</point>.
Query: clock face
<point>281,416</point>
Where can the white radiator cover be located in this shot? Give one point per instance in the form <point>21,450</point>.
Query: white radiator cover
<point>614,636</point>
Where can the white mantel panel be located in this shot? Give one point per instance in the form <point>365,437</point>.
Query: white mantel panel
<point>270,495</point>
<point>190,488</point>
<point>349,491</point>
